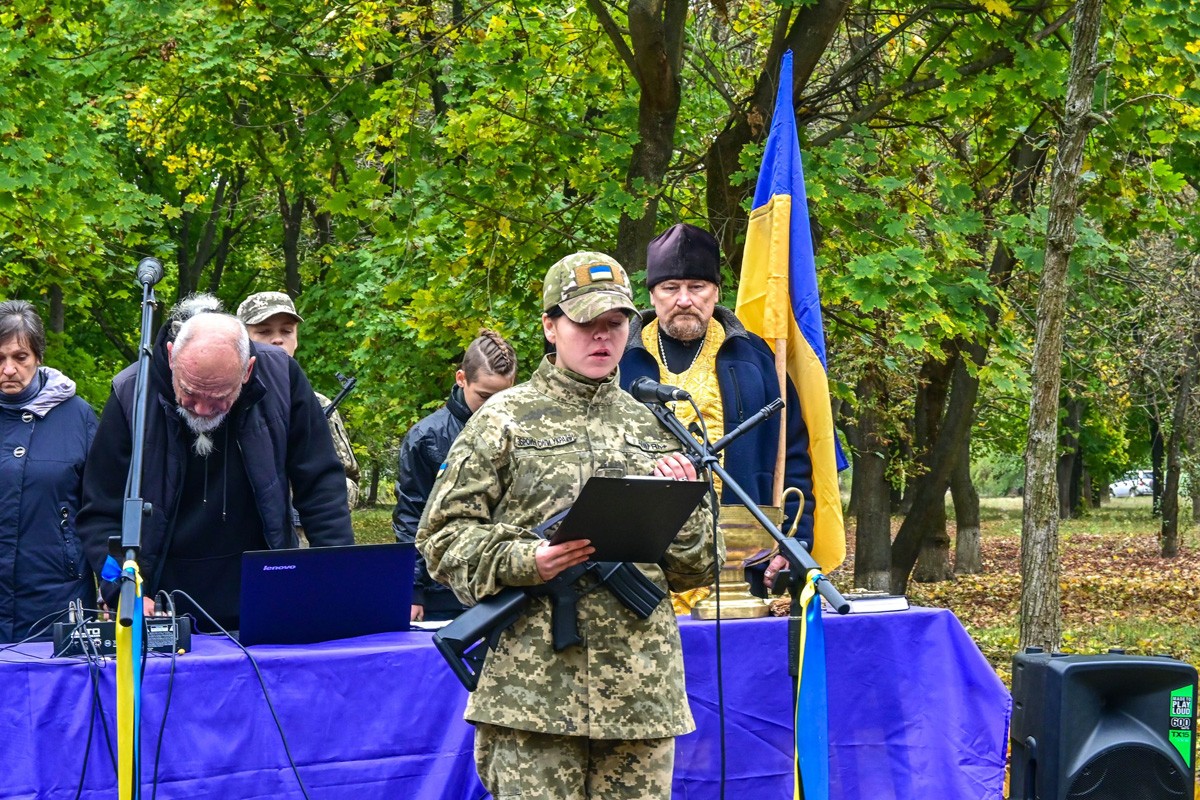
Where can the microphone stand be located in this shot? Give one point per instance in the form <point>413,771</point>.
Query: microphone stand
<point>798,557</point>
<point>131,629</point>
<point>704,455</point>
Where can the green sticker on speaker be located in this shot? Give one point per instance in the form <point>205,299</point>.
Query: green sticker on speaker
<point>1182,714</point>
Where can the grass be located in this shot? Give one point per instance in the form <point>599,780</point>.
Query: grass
<point>373,525</point>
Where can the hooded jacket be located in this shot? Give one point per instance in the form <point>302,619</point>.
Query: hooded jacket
<point>280,431</point>
<point>746,376</point>
<point>422,454</point>
<point>43,447</point>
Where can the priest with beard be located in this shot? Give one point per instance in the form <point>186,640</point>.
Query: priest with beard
<point>230,424</point>
<point>690,341</point>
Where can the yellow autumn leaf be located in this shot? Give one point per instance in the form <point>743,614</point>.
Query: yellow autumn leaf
<point>999,7</point>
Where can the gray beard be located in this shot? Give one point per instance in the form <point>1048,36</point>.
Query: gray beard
<point>686,329</point>
<point>203,445</point>
<point>201,426</point>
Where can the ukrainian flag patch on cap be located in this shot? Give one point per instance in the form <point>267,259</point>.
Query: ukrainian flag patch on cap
<point>441,469</point>
<point>600,272</point>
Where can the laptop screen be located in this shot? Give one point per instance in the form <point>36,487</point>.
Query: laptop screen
<point>315,594</point>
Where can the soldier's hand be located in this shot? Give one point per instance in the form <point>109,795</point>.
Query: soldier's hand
<point>675,465</point>
<point>417,614</point>
<point>552,559</point>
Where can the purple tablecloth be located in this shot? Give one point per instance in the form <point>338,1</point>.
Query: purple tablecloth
<point>915,714</point>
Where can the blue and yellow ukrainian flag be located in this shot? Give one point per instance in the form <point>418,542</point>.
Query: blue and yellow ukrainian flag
<point>778,299</point>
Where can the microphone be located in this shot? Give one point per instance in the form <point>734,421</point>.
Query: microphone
<point>648,391</point>
<point>149,271</point>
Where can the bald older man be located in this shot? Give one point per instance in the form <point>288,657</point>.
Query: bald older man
<point>228,427</point>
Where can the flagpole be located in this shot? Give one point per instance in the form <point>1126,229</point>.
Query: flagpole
<point>781,450</point>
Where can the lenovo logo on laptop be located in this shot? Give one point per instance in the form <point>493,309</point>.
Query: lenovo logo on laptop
<point>270,567</point>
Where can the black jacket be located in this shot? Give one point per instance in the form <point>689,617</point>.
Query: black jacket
<point>43,445</point>
<point>746,377</point>
<point>421,456</point>
<point>283,438</point>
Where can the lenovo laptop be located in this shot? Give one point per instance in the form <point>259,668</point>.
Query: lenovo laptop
<point>315,594</point>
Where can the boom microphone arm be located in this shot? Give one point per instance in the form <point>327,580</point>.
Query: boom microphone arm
<point>705,456</point>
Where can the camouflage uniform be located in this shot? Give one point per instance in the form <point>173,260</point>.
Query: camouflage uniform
<point>515,763</point>
<point>341,444</point>
<point>597,719</point>
<point>521,458</point>
<point>262,306</point>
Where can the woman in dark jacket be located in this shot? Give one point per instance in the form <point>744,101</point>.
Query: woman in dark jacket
<point>489,366</point>
<point>45,432</point>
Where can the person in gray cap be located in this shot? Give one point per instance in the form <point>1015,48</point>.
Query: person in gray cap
<point>688,340</point>
<point>598,718</point>
<point>271,318</point>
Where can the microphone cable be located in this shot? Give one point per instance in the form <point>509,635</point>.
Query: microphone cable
<point>95,660</point>
<point>169,603</point>
<point>262,683</point>
<point>715,502</point>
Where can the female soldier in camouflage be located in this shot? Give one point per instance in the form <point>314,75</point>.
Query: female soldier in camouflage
<point>598,719</point>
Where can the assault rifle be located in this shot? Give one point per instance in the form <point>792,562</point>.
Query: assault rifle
<point>465,642</point>
<point>347,385</point>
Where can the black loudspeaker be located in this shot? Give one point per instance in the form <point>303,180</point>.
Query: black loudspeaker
<point>1102,727</point>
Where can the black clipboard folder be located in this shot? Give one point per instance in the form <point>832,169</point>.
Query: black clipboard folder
<point>631,518</point>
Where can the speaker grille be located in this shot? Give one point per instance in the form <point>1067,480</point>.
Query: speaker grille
<point>1129,772</point>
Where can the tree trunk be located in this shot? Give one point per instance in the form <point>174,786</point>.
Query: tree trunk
<point>373,489</point>
<point>1070,461</point>
<point>933,560</point>
<point>968,560</point>
<point>929,496</point>
<point>1041,610</point>
<point>873,530</point>
<point>229,230</point>
<point>1089,489</point>
<point>292,215</point>
<point>1168,539</point>
<point>653,55</point>
<point>57,320</point>
<point>807,36</point>
<point>1156,460</point>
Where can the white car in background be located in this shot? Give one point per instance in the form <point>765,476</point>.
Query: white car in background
<point>1137,483</point>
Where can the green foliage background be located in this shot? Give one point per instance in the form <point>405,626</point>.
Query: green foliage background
<point>409,170</point>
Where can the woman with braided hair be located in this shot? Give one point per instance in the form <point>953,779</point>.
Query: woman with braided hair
<point>488,367</point>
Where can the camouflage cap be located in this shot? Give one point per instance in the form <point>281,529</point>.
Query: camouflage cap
<point>262,306</point>
<point>585,285</point>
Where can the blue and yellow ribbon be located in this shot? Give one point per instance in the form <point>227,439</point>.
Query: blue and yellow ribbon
<point>812,700</point>
<point>129,690</point>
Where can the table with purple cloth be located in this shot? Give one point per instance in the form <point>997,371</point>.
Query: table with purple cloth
<point>915,713</point>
